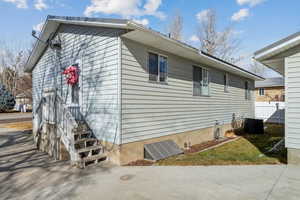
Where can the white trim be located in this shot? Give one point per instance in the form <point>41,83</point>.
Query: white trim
<point>248,95</point>
<point>277,49</point>
<point>119,89</point>
<point>208,79</point>
<point>261,89</point>
<point>52,24</point>
<point>226,85</point>
<point>247,74</point>
<point>89,23</point>
<point>194,50</point>
<point>158,72</point>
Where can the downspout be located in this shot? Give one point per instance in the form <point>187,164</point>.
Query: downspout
<point>120,90</point>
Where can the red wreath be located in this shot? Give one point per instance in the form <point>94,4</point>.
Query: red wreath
<point>71,73</point>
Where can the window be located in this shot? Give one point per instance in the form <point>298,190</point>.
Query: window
<point>158,67</point>
<point>226,82</point>
<point>261,91</point>
<point>247,90</point>
<point>75,94</point>
<point>163,68</point>
<point>153,66</point>
<point>200,81</point>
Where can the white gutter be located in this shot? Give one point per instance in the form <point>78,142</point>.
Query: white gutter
<point>136,26</point>
<point>130,25</point>
<point>277,49</point>
<point>90,23</point>
<point>248,74</point>
<point>196,51</point>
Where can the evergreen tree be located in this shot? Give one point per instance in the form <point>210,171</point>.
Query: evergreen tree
<point>7,100</point>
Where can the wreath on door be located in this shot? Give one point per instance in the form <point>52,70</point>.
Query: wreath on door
<point>71,74</point>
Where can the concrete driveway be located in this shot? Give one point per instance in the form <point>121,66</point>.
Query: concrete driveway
<point>28,174</point>
<point>15,117</point>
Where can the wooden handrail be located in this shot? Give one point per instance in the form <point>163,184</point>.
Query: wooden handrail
<point>66,125</point>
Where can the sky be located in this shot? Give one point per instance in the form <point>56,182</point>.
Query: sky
<point>257,23</point>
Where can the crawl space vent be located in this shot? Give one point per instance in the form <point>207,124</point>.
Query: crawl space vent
<point>161,150</point>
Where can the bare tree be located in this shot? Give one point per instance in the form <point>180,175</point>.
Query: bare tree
<point>257,68</point>
<point>176,25</point>
<point>223,44</point>
<point>12,63</point>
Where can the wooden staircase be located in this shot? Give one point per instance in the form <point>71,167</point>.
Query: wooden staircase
<point>78,138</point>
<point>88,148</point>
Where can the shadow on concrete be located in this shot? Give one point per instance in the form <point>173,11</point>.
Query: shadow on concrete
<point>26,173</point>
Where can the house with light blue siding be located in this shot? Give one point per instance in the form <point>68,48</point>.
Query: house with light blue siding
<point>135,86</point>
<point>283,56</point>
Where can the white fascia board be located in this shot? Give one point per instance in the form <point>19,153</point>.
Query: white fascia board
<point>277,49</point>
<point>51,26</point>
<point>196,55</point>
<point>90,23</point>
<point>136,26</point>
<point>234,69</point>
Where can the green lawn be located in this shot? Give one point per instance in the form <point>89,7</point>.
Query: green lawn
<point>249,149</point>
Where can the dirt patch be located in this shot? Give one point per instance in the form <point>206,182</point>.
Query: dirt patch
<point>193,149</point>
<point>18,125</point>
<point>199,147</point>
<point>141,163</point>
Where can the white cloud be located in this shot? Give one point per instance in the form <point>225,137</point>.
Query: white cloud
<point>18,3</point>
<point>127,9</point>
<point>144,22</point>
<point>194,38</point>
<point>38,27</point>
<point>249,2</point>
<point>240,15</point>
<point>40,5</point>
<point>202,16</point>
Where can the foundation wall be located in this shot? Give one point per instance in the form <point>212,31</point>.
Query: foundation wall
<point>293,156</point>
<point>49,142</point>
<point>135,150</point>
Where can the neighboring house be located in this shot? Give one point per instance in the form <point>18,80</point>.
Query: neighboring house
<point>284,57</point>
<point>271,89</point>
<point>136,86</point>
<point>21,100</point>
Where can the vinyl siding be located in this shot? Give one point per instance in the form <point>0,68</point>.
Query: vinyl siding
<point>292,82</point>
<point>97,52</point>
<point>152,109</point>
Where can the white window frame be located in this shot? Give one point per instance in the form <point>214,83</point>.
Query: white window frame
<point>158,75</point>
<point>261,93</point>
<point>247,91</point>
<point>201,82</point>
<point>226,85</point>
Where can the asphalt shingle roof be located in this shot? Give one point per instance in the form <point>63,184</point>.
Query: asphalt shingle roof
<point>270,82</point>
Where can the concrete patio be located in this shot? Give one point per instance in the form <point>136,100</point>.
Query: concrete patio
<point>28,174</point>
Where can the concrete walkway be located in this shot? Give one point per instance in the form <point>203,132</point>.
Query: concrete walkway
<point>15,117</point>
<point>28,174</point>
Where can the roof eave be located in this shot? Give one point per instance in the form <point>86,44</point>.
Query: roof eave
<point>265,53</point>
<point>52,24</point>
<point>197,53</point>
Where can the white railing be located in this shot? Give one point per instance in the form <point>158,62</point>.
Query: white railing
<point>66,125</point>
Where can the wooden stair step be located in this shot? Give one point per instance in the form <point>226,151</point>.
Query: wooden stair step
<point>85,140</point>
<point>82,132</point>
<point>87,149</point>
<point>94,157</point>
